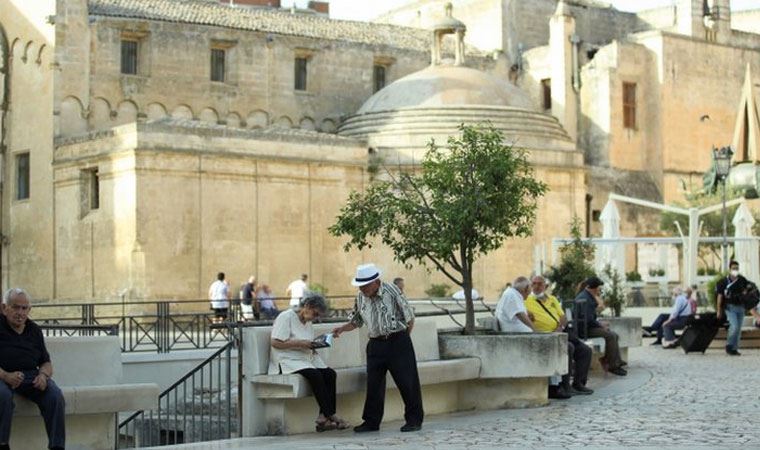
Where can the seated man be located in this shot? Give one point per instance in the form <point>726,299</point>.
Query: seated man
<point>510,311</point>
<point>657,325</point>
<point>683,307</point>
<point>547,316</point>
<point>25,369</point>
<point>589,303</point>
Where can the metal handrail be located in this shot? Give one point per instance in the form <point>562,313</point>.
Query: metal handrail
<point>164,415</point>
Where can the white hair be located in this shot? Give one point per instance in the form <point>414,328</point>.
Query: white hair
<point>521,283</point>
<point>677,291</point>
<point>14,292</point>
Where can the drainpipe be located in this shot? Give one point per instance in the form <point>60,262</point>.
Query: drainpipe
<point>589,197</point>
<point>5,70</point>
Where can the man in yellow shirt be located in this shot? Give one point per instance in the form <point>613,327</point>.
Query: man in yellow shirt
<point>547,315</point>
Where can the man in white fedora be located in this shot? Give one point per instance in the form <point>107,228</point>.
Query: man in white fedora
<point>389,319</point>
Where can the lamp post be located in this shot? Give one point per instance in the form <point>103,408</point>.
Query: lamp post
<point>722,158</point>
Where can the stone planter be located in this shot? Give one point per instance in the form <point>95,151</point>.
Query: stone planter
<point>515,367</point>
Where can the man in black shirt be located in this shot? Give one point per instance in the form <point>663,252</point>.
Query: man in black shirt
<point>730,305</point>
<point>25,369</point>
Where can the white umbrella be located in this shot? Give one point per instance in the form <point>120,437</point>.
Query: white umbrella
<point>746,252</point>
<point>612,254</point>
<point>459,295</point>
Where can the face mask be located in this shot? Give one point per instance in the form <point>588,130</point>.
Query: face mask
<point>541,296</point>
<point>734,273</point>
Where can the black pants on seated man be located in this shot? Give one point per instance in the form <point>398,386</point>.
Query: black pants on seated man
<point>579,362</point>
<point>322,382</point>
<point>50,402</point>
<point>394,354</point>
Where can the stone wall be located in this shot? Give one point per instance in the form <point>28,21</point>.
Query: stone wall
<point>28,67</point>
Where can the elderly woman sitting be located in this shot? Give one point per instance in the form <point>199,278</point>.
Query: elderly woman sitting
<point>292,352</point>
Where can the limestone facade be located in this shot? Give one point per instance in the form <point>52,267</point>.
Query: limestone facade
<point>244,175</point>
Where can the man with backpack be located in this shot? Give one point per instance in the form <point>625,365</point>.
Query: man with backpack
<point>730,304</point>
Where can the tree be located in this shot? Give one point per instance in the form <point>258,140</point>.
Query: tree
<point>462,203</point>
<point>575,264</point>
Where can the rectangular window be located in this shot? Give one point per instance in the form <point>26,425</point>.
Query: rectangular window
<point>22,176</point>
<point>546,93</point>
<point>378,77</point>
<point>301,68</point>
<point>129,57</point>
<point>217,65</point>
<point>93,182</point>
<point>629,105</point>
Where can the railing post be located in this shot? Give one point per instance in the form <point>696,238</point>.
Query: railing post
<point>162,327</point>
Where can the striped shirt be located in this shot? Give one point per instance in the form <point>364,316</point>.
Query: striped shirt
<point>384,313</point>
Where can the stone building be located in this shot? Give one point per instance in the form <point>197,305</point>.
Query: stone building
<point>148,144</point>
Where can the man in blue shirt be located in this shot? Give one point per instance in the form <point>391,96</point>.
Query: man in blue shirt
<point>588,303</point>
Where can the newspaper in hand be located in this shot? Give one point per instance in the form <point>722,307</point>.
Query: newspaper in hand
<point>322,341</point>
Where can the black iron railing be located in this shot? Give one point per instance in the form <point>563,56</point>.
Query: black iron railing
<point>200,406</point>
<point>158,326</point>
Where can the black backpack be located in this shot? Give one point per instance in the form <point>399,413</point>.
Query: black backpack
<point>750,296</point>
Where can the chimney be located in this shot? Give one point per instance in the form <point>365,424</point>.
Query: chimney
<point>320,7</point>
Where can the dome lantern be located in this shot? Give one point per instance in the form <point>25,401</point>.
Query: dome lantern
<point>448,25</point>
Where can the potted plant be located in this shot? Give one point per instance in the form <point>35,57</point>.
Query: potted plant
<point>613,294</point>
<point>633,279</point>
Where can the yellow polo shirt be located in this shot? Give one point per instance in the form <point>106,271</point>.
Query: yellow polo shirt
<point>541,319</point>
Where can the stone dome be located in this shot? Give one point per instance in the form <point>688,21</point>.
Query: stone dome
<point>444,85</point>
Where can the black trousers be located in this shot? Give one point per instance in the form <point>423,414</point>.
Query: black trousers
<point>322,382</point>
<point>579,362</point>
<point>396,355</point>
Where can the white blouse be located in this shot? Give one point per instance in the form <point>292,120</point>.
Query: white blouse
<point>288,326</point>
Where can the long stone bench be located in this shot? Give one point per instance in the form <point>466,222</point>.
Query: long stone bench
<point>88,371</point>
<point>627,328</point>
<point>750,336</point>
<point>283,404</point>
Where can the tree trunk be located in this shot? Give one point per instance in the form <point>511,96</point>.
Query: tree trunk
<point>469,326</point>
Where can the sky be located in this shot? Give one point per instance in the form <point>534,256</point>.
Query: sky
<point>368,9</point>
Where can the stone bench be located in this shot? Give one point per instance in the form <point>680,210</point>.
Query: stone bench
<point>750,336</point>
<point>88,371</point>
<point>627,328</point>
<point>283,404</point>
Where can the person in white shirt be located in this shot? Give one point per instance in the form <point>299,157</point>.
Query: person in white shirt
<point>511,312</point>
<point>218,295</point>
<point>296,289</point>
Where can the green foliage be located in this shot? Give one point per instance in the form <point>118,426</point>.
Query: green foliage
<point>465,200</point>
<point>656,272</point>
<point>632,276</point>
<point>575,264</point>
<point>438,290</point>
<point>318,287</point>
<point>712,297</point>
<point>712,224</point>
<point>613,293</point>
<point>702,271</point>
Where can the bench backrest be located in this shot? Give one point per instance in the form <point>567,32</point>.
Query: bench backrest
<point>85,360</point>
<point>347,351</point>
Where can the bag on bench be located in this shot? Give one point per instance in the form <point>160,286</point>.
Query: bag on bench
<point>699,332</point>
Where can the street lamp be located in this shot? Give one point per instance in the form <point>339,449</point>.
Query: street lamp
<point>722,158</point>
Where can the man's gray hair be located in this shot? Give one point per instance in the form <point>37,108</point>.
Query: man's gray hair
<point>13,292</point>
<point>314,300</point>
<point>521,283</point>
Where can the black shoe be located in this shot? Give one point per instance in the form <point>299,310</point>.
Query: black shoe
<point>733,352</point>
<point>410,427</point>
<point>577,389</point>
<point>623,363</point>
<point>619,371</point>
<point>657,342</point>
<point>558,394</point>
<point>365,427</point>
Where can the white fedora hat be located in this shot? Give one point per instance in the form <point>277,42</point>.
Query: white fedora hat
<point>365,274</point>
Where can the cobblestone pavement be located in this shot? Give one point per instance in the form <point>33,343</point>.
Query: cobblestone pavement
<point>668,400</point>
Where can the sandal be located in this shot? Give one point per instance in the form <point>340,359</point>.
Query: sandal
<point>340,424</point>
<point>325,426</point>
